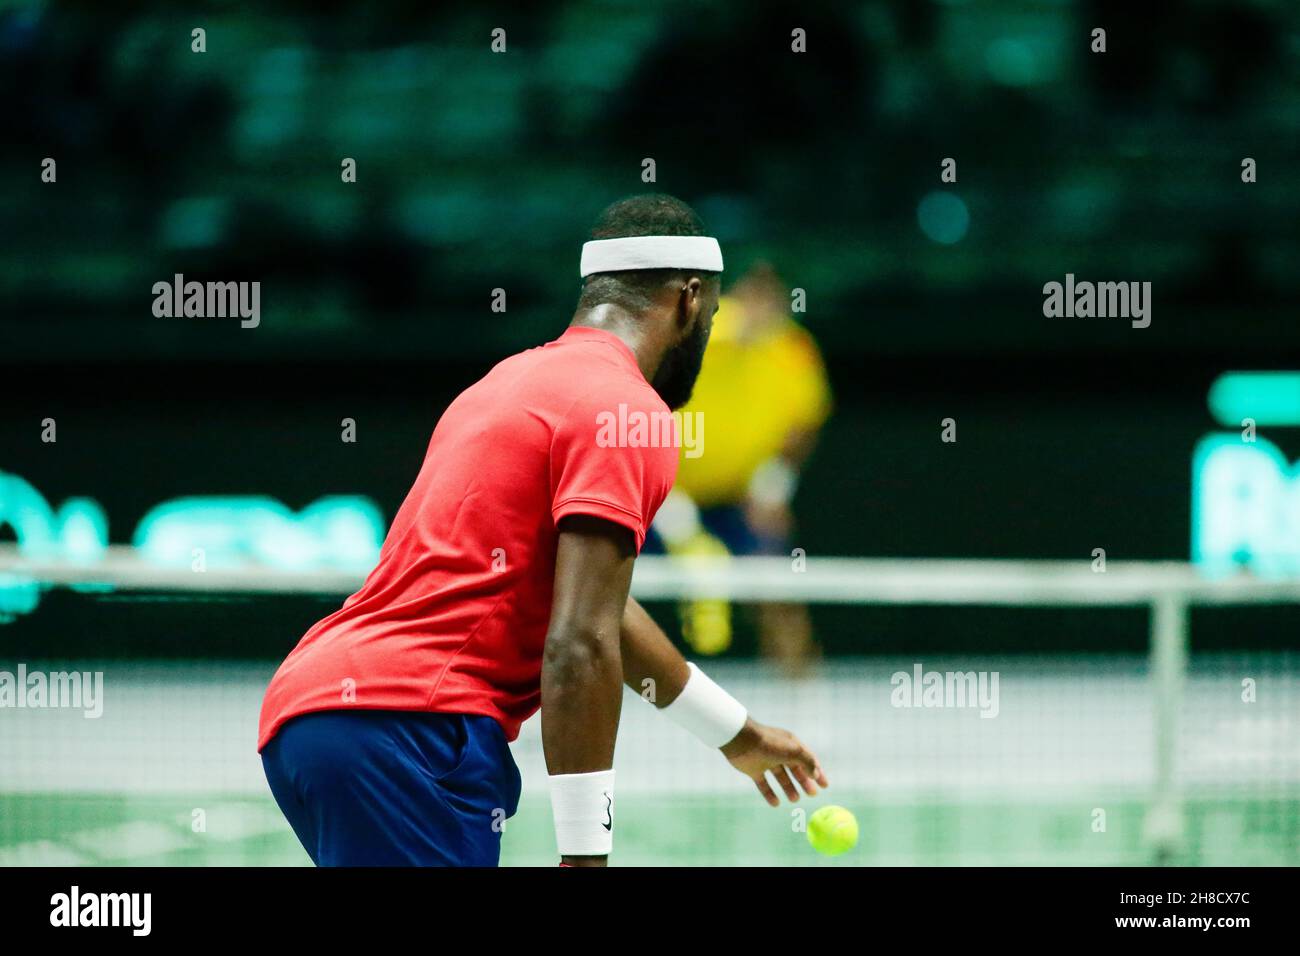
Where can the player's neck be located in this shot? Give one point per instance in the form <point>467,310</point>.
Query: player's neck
<point>634,331</point>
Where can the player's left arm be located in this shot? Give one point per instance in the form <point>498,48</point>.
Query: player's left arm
<point>656,670</point>
<point>581,682</point>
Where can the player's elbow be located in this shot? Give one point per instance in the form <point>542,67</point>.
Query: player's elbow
<point>578,651</point>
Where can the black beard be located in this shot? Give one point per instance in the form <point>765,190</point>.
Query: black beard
<point>675,379</point>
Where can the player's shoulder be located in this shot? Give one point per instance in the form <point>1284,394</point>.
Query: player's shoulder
<point>591,373</point>
<point>613,391</point>
<point>573,389</point>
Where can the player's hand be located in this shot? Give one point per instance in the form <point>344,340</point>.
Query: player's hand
<point>759,750</point>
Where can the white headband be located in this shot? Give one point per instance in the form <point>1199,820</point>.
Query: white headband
<point>651,252</point>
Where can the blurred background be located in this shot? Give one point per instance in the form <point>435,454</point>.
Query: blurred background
<point>922,301</point>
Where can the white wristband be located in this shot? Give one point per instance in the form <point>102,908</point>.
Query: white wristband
<point>583,805</point>
<point>706,710</point>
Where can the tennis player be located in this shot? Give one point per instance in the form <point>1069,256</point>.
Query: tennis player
<point>503,587</point>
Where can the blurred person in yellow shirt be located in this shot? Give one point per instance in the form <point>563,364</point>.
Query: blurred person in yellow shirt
<point>764,397</point>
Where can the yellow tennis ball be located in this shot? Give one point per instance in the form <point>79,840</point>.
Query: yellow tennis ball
<point>832,831</point>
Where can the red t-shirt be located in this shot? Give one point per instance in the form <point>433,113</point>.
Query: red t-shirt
<point>454,616</point>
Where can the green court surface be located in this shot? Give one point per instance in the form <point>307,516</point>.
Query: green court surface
<point>1059,772</point>
<point>104,830</point>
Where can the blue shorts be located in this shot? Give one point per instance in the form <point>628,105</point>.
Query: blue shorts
<point>394,788</point>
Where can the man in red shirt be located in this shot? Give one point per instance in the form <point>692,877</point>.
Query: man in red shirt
<point>503,585</point>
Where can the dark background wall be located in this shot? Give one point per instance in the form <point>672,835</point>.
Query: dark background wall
<point>479,171</point>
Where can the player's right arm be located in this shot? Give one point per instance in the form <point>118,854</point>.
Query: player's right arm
<point>656,670</point>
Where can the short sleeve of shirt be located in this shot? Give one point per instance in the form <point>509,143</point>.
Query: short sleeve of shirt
<point>614,460</point>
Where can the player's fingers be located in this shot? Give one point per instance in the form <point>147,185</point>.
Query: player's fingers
<point>806,759</point>
<point>765,789</point>
<point>820,776</point>
<point>807,782</point>
<point>783,778</point>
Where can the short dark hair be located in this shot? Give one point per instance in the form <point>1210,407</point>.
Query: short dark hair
<point>649,214</point>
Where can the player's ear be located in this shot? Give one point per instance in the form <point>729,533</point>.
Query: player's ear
<point>690,306</point>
